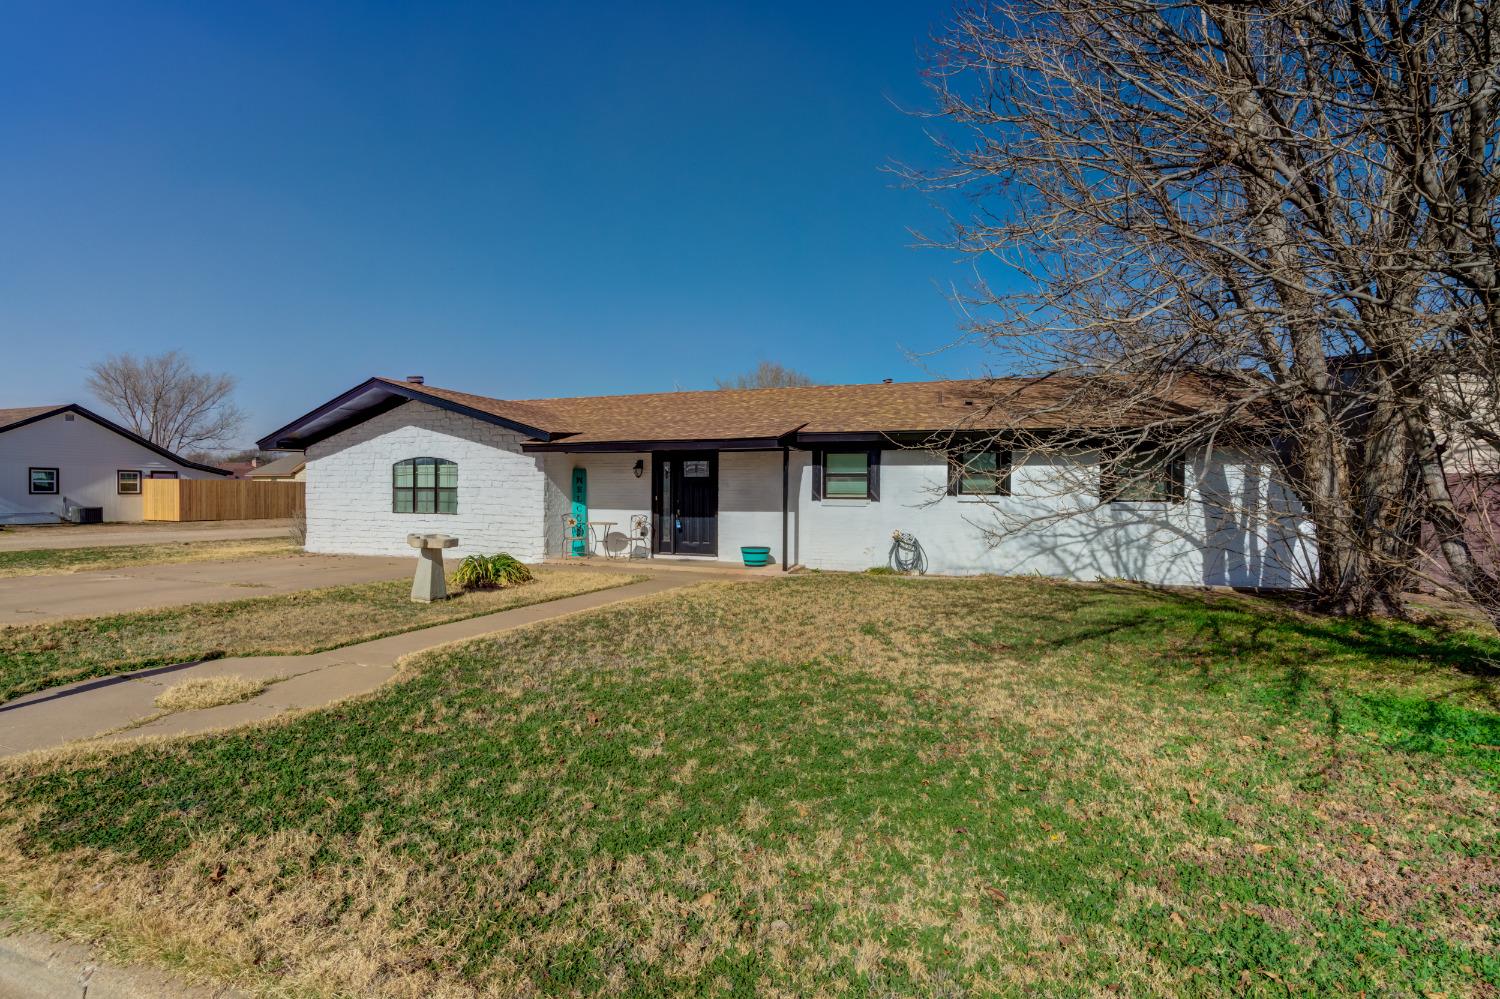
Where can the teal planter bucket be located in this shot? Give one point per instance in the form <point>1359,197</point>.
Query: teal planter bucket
<point>755,556</point>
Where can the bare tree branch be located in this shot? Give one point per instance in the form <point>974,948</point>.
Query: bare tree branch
<point>767,374</point>
<point>1297,197</point>
<point>164,400</point>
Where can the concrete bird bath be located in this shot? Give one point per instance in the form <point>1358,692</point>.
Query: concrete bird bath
<point>429,583</point>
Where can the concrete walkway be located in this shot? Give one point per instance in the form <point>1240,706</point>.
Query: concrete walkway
<point>51,536</point>
<point>30,599</point>
<point>101,707</point>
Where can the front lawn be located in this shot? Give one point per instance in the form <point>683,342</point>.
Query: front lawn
<point>55,561</point>
<point>822,785</point>
<point>36,656</point>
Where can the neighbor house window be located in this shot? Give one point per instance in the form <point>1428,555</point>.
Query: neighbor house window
<point>853,475</point>
<point>128,483</point>
<point>43,481</point>
<point>979,471</point>
<point>163,475</point>
<point>424,485</point>
<point>1142,478</point>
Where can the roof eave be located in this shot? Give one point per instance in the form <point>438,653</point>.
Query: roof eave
<point>284,438</point>
<point>107,424</point>
<point>563,445</point>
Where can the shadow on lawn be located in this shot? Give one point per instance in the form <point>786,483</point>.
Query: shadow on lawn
<point>1291,664</point>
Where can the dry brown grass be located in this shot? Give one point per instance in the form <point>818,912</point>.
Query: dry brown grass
<point>36,656</point>
<point>809,787</point>
<point>62,561</point>
<point>208,692</point>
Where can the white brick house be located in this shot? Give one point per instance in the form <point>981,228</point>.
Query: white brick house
<point>822,476</point>
<point>58,460</point>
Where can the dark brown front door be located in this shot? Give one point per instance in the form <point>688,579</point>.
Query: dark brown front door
<point>685,502</point>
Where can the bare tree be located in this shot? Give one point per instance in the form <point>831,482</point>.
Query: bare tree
<point>767,374</point>
<point>1297,198</point>
<point>163,399</point>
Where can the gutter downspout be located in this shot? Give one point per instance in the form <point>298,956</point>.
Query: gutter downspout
<point>786,457</point>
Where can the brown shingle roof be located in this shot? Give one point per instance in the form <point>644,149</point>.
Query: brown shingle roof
<point>286,465</point>
<point>517,412</point>
<point>19,414</point>
<point>741,414</point>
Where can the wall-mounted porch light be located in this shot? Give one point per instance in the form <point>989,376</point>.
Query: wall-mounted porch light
<point>640,467</point>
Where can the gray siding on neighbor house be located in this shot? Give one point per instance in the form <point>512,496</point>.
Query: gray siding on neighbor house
<point>87,457</point>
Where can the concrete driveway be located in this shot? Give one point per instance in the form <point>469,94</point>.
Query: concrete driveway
<point>51,536</point>
<point>102,705</point>
<point>29,599</point>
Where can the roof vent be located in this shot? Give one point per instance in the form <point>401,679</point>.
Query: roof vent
<point>415,380</point>
<point>885,381</point>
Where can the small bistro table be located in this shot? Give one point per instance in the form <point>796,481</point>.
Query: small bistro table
<point>602,538</point>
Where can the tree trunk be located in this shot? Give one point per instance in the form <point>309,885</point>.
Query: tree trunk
<point>1446,523</point>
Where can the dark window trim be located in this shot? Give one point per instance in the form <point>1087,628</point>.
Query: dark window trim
<point>31,488</point>
<point>155,474</point>
<point>414,489</point>
<point>820,463</point>
<point>140,478</point>
<point>1175,469</point>
<point>1004,466</point>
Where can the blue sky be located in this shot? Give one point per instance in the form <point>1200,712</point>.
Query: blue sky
<point>522,201</point>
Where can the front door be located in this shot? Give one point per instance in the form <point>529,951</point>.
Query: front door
<point>685,502</point>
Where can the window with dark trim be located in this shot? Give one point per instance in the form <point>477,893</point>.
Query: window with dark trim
<point>42,481</point>
<point>850,475</point>
<point>128,482</point>
<point>424,485</point>
<point>982,470</point>
<point>162,475</point>
<point>1142,478</point>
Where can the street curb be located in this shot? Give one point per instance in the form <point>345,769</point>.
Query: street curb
<point>36,966</point>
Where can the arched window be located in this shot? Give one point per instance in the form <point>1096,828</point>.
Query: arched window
<point>424,485</point>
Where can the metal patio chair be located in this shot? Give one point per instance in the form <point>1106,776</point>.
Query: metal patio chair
<point>575,537</point>
<point>639,539</point>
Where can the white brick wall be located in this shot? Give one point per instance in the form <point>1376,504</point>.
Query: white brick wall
<point>749,497</point>
<point>750,502</point>
<point>614,493</point>
<point>509,501</point>
<point>1152,542</point>
<point>501,492</point>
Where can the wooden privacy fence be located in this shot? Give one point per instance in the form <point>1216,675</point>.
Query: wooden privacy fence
<point>221,499</point>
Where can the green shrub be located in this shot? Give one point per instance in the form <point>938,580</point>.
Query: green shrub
<point>490,572</point>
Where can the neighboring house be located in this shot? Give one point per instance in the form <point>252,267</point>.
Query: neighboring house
<point>238,469</point>
<point>823,476</point>
<point>57,461</point>
<point>287,468</point>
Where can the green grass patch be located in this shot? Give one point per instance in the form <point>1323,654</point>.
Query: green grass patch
<point>34,657</point>
<point>834,784</point>
<point>55,561</point>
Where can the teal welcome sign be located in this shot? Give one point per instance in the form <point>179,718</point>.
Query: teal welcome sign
<point>581,509</point>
